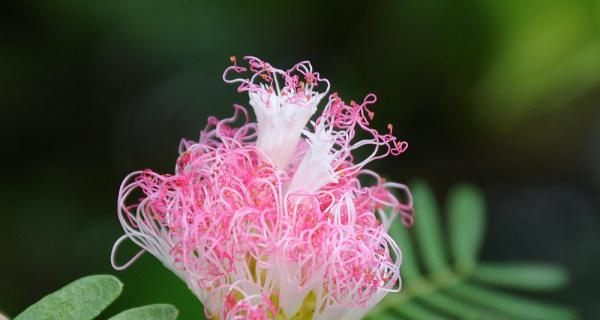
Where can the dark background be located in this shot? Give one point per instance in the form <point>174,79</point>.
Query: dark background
<point>504,94</point>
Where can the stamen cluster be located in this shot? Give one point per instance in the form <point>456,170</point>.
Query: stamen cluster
<point>269,219</point>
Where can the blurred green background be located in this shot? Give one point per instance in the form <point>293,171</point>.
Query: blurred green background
<point>504,94</point>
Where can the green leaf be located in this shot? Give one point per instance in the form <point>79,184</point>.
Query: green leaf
<point>383,316</point>
<point>445,292</point>
<point>388,316</point>
<point>510,305</point>
<point>415,311</point>
<point>82,299</point>
<point>526,276</point>
<point>450,306</point>
<point>151,312</point>
<point>409,268</point>
<point>428,229</point>
<point>466,223</point>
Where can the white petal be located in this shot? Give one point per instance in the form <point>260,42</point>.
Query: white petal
<point>280,124</point>
<point>315,169</point>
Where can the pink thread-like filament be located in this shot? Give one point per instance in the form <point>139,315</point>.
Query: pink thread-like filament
<point>252,237</point>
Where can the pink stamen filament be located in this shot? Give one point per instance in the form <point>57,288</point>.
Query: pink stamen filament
<point>242,225</point>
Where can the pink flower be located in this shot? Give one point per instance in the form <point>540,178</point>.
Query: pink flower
<point>269,220</point>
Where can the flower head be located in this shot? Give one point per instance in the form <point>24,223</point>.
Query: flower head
<point>269,220</point>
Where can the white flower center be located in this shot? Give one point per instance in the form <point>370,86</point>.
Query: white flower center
<point>315,169</point>
<point>280,121</point>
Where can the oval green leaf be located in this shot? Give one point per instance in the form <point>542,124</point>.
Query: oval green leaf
<point>451,306</point>
<point>415,310</point>
<point>466,223</point>
<point>526,276</point>
<point>151,312</point>
<point>409,268</point>
<point>82,299</point>
<point>428,229</point>
<point>510,305</point>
